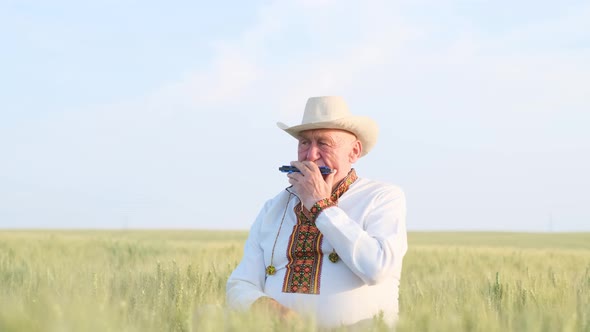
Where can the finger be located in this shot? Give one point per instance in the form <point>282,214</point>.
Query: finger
<point>312,167</point>
<point>298,165</point>
<point>293,181</point>
<point>304,167</point>
<point>309,165</point>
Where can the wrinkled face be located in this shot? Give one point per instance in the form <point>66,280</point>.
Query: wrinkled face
<point>337,149</point>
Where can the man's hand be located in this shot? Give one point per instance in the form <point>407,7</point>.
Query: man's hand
<point>270,305</point>
<point>310,184</point>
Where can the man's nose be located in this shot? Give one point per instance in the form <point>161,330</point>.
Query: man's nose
<point>313,153</point>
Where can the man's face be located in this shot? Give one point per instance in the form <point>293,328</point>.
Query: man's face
<point>337,149</point>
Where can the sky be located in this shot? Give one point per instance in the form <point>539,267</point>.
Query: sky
<point>162,114</point>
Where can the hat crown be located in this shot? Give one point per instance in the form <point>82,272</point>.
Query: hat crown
<point>322,109</point>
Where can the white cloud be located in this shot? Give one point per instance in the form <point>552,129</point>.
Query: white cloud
<point>225,82</point>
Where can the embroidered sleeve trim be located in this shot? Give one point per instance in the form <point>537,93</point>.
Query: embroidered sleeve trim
<point>321,205</point>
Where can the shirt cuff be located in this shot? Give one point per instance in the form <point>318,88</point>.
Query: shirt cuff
<point>321,205</point>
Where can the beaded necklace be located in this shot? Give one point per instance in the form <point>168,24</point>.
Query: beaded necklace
<point>271,270</point>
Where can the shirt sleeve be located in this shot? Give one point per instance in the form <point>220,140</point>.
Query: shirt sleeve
<point>372,248</point>
<point>246,283</point>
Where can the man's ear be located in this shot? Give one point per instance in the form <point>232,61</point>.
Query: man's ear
<point>355,152</point>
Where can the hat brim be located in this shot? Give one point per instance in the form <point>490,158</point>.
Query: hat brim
<point>364,128</point>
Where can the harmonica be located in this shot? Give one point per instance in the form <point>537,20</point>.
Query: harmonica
<point>290,169</point>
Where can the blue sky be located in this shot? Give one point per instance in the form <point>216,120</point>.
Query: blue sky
<point>119,114</point>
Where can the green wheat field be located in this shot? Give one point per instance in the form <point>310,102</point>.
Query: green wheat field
<point>175,281</point>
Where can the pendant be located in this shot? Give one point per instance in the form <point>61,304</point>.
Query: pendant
<point>333,257</point>
<point>270,270</point>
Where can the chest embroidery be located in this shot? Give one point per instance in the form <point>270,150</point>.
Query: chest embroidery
<point>304,252</point>
<point>305,260</point>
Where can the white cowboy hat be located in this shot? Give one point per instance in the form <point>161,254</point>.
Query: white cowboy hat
<point>332,113</point>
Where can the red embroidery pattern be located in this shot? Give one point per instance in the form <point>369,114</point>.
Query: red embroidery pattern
<point>322,205</point>
<point>304,252</point>
<point>305,263</point>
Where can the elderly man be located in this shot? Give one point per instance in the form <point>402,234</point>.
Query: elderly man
<point>330,246</point>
